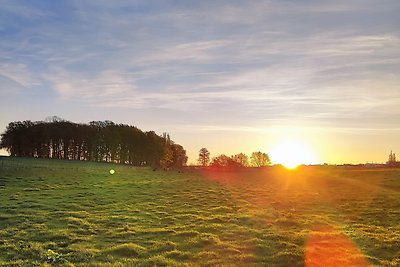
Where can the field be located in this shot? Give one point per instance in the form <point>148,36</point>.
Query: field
<point>66,213</point>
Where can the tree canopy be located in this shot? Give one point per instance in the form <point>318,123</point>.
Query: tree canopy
<point>242,159</point>
<point>260,159</point>
<point>222,161</point>
<point>96,141</point>
<point>204,157</point>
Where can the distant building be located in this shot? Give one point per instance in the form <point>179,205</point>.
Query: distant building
<point>392,160</point>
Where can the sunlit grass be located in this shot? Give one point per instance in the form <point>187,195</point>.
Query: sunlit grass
<point>78,214</point>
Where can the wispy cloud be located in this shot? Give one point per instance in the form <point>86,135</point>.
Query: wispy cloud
<point>104,85</point>
<point>323,61</point>
<point>19,74</point>
<point>194,52</point>
<point>30,12</point>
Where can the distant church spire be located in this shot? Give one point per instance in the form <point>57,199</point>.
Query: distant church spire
<point>392,157</point>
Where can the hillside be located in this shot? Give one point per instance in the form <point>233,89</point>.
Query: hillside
<point>71,213</point>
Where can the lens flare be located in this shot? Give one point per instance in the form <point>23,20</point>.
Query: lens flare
<point>327,247</point>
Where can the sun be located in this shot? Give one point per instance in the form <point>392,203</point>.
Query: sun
<point>292,153</point>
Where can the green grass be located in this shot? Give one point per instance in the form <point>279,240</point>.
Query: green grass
<point>66,213</point>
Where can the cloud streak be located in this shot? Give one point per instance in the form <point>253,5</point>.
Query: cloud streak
<point>330,63</point>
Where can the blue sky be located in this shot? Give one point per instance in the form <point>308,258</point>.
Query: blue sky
<point>233,76</point>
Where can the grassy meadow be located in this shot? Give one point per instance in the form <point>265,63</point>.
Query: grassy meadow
<point>67,213</point>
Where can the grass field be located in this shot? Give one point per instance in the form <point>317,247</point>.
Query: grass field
<point>65,213</point>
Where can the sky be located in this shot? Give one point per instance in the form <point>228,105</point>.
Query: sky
<point>231,76</point>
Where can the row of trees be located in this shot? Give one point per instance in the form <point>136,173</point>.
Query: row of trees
<point>96,141</point>
<point>257,159</point>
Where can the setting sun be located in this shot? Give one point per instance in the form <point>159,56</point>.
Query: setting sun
<point>292,153</point>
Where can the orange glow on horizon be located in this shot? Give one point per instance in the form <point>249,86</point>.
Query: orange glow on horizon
<point>292,153</point>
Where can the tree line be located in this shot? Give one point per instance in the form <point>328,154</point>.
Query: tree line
<point>97,141</point>
<point>257,159</point>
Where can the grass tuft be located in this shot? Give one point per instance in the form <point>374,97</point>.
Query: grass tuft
<point>128,250</point>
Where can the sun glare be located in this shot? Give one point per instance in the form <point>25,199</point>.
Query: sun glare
<point>292,153</point>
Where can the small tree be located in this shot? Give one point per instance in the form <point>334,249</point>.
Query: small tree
<point>204,157</point>
<point>224,161</point>
<point>259,159</point>
<point>241,158</point>
<point>220,161</point>
<point>179,156</point>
